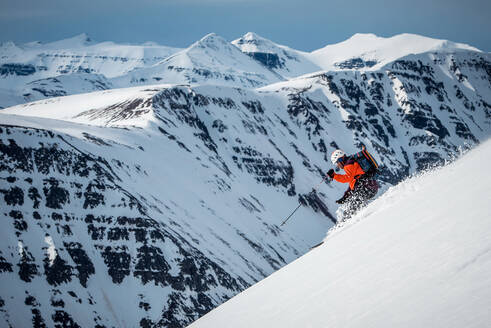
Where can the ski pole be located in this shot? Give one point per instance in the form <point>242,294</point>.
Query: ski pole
<point>314,189</point>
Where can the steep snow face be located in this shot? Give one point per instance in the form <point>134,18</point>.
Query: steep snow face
<point>285,61</point>
<point>370,52</point>
<point>211,60</point>
<point>420,255</point>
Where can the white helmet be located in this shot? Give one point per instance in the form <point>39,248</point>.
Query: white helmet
<point>336,155</point>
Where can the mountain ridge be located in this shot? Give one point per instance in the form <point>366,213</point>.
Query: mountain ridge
<point>119,64</point>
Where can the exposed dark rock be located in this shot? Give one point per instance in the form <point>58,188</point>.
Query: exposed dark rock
<point>37,319</point>
<point>308,110</point>
<point>19,223</point>
<point>17,69</point>
<point>270,60</point>
<point>5,266</point>
<point>428,160</point>
<point>254,106</point>
<point>57,271</point>
<point>356,63</point>
<point>118,262</point>
<point>152,266</point>
<point>312,199</point>
<point>13,196</point>
<point>56,196</point>
<point>83,263</point>
<point>63,319</point>
<point>27,267</point>
<point>34,196</point>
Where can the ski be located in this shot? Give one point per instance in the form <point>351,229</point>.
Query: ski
<point>317,245</point>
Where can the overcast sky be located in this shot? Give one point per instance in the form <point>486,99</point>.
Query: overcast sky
<point>301,24</point>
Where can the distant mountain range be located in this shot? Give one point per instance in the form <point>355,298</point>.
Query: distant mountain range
<point>35,71</point>
<point>146,184</point>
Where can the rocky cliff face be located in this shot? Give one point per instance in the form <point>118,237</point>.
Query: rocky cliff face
<point>152,205</point>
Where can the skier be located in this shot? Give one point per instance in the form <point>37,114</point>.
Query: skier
<point>362,186</point>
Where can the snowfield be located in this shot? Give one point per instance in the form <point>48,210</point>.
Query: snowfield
<point>419,256</point>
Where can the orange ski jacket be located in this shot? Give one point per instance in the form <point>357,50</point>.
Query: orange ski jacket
<point>353,171</point>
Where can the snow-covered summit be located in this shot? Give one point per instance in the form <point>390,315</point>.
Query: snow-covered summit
<point>211,60</point>
<point>251,42</point>
<point>279,58</point>
<point>419,256</point>
<point>368,51</point>
<point>211,40</point>
<point>78,41</point>
<point>31,71</point>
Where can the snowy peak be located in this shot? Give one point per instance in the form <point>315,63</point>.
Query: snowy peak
<point>211,40</point>
<point>211,60</point>
<point>281,59</point>
<point>368,51</point>
<point>214,46</point>
<point>78,41</point>
<point>251,42</point>
<point>31,71</point>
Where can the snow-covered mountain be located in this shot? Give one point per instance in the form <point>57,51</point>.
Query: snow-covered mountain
<point>283,60</point>
<point>419,256</point>
<point>80,54</point>
<point>211,60</point>
<point>368,51</point>
<point>35,71</point>
<point>152,205</point>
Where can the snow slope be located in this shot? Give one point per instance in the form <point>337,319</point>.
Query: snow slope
<point>419,256</point>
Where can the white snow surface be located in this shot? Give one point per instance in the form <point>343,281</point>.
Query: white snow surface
<point>418,256</point>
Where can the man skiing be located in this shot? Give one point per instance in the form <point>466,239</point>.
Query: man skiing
<point>362,186</point>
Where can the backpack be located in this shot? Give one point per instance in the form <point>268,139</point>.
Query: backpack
<point>366,161</point>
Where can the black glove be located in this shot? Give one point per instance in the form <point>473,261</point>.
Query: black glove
<point>330,173</point>
<point>340,201</point>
